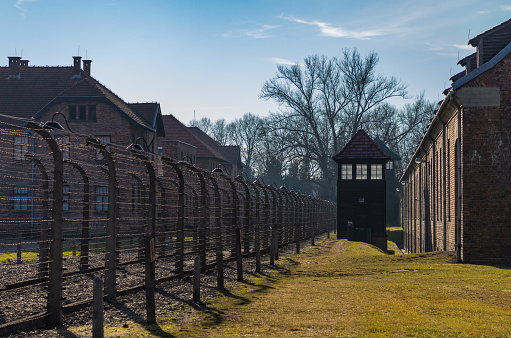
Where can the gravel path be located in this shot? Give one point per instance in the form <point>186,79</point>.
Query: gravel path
<point>173,298</point>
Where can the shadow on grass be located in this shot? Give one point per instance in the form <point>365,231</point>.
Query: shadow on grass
<point>215,316</point>
<point>156,330</point>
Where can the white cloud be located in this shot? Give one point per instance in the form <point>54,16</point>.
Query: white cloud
<point>257,33</point>
<point>465,47</point>
<point>337,32</point>
<point>20,5</point>
<point>281,61</point>
<point>505,8</point>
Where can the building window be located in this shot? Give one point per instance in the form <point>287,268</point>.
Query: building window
<point>103,139</point>
<point>101,198</point>
<point>376,172</point>
<point>389,165</point>
<point>82,113</point>
<point>92,113</point>
<point>66,197</point>
<point>20,198</point>
<point>20,147</point>
<point>361,172</point>
<point>72,113</point>
<point>346,172</point>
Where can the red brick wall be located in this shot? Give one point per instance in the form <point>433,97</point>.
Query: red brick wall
<point>485,178</point>
<point>487,172</point>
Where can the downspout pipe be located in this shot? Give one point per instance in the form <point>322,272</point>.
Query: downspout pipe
<point>458,169</point>
<point>444,187</point>
<point>433,193</point>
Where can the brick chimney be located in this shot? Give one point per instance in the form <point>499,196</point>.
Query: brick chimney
<point>77,72</point>
<point>24,63</point>
<point>86,67</point>
<point>14,67</point>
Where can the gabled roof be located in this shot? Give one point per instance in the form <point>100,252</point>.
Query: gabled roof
<point>467,59</point>
<point>361,146</point>
<point>475,40</point>
<point>480,70</point>
<point>177,131</point>
<point>151,113</point>
<point>231,153</point>
<point>37,87</point>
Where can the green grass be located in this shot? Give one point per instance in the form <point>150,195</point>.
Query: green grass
<point>351,289</point>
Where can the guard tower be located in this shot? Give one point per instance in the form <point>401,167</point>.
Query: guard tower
<point>361,191</point>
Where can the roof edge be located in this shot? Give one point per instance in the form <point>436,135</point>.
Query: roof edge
<point>483,68</point>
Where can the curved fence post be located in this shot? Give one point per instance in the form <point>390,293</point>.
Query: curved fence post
<point>246,216</point>
<point>84,244</point>
<point>257,234</point>
<point>43,240</point>
<point>218,233</point>
<point>54,300</point>
<point>273,225</point>
<point>204,213</point>
<point>149,256</point>
<point>180,231</point>
<point>235,227</point>
<point>111,227</point>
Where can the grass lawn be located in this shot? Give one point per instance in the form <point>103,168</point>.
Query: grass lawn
<point>351,289</point>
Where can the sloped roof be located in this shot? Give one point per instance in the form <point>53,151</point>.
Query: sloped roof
<point>467,59</point>
<point>177,131</point>
<point>37,87</point>
<point>474,41</point>
<point>151,113</point>
<point>361,146</point>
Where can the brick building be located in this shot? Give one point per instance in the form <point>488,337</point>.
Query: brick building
<point>194,145</point>
<point>456,192</point>
<point>33,93</point>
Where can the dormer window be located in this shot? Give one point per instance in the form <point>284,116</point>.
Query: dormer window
<point>82,113</point>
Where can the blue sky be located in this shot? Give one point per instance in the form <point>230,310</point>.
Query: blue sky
<point>214,56</point>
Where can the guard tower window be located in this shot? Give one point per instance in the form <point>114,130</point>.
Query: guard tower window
<point>346,172</point>
<point>376,172</point>
<point>361,172</point>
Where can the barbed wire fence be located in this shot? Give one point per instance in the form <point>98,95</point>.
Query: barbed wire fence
<point>73,208</point>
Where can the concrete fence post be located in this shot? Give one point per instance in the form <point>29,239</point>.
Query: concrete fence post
<point>54,299</point>
<point>98,317</point>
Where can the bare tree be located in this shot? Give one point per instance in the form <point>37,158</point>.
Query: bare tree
<point>323,104</point>
<point>203,124</point>
<point>247,132</point>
